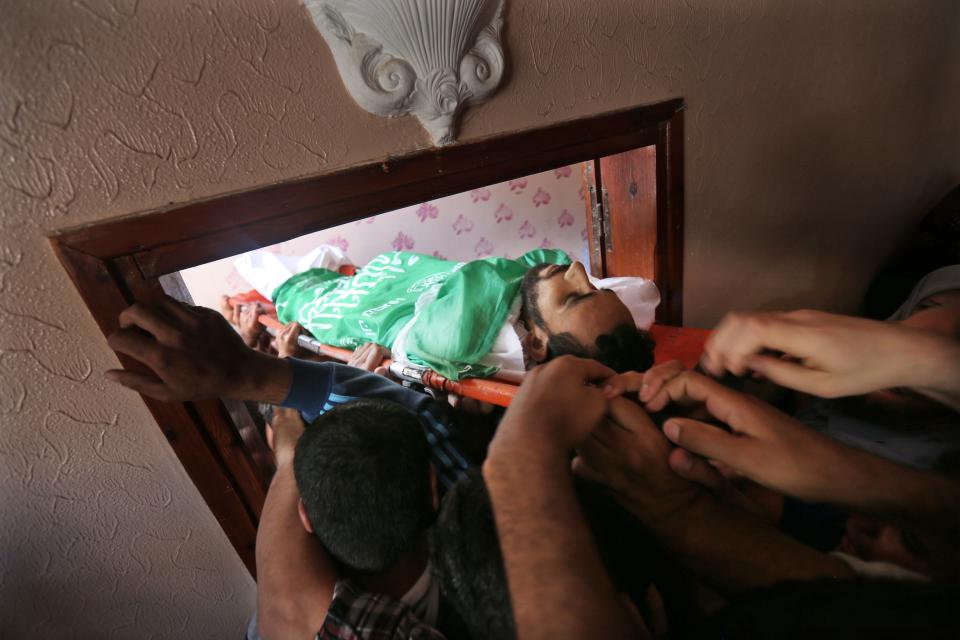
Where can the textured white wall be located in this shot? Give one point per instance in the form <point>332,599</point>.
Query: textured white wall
<point>817,132</point>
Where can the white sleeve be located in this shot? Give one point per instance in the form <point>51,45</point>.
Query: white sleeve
<point>867,569</point>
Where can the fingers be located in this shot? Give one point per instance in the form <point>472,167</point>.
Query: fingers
<point>696,469</point>
<point>248,317</point>
<point>234,316</point>
<point>742,335</point>
<point>597,458</point>
<point>688,388</point>
<point>292,327</point>
<point>291,330</point>
<point>368,356</point>
<point>226,309</point>
<point>794,375</point>
<point>373,357</point>
<point>152,319</point>
<point>737,336</point>
<point>657,620</point>
<point>287,339</point>
<point>629,416</point>
<point>146,384</point>
<point>580,468</point>
<point>137,345</point>
<point>708,441</point>
<point>656,377</point>
<point>629,382</point>
<point>598,449</point>
<point>183,312</point>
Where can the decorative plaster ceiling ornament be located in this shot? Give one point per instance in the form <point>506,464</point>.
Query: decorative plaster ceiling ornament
<point>429,58</point>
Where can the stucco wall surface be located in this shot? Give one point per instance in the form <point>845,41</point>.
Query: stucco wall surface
<point>817,132</point>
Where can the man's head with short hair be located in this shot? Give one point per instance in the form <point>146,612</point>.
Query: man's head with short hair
<point>567,315</point>
<point>466,561</point>
<point>363,471</point>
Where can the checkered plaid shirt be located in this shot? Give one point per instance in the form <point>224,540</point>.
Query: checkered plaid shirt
<point>357,615</point>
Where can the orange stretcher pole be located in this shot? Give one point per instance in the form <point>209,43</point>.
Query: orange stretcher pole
<point>491,391</point>
<point>307,342</point>
<point>673,343</point>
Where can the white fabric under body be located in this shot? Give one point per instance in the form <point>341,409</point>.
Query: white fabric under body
<point>266,271</point>
<point>878,569</point>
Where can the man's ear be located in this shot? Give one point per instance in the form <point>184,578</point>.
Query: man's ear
<point>304,520</point>
<point>535,344</point>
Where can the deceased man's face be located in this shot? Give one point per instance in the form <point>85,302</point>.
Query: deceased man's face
<point>568,303</point>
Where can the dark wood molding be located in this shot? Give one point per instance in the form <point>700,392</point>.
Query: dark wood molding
<point>670,230</point>
<point>121,261</point>
<point>234,495</point>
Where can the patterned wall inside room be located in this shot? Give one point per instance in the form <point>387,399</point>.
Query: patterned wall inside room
<point>506,219</point>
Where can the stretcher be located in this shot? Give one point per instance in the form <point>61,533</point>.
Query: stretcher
<point>673,343</point>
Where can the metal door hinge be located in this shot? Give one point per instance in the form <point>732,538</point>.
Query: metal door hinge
<point>596,223</point>
<point>606,215</point>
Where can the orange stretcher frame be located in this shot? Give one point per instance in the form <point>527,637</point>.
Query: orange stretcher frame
<point>673,343</point>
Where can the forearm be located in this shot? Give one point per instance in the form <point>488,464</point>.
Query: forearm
<point>295,578</point>
<point>558,586</point>
<point>732,550</point>
<point>922,499</point>
<point>262,378</point>
<point>821,469</point>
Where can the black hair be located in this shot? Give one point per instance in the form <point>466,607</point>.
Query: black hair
<point>363,471</point>
<point>466,560</point>
<point>626,348</point>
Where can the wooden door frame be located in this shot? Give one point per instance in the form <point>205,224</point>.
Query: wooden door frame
<point>118,262</point>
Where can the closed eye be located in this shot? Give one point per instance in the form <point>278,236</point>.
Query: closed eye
<point>574,299</point>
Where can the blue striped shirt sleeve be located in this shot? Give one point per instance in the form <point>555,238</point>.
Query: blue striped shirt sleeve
<point>310,387</point>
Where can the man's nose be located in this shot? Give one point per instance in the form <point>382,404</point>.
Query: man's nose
<point>576,276</point>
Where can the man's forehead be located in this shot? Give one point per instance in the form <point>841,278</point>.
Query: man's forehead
<point>547,271</point>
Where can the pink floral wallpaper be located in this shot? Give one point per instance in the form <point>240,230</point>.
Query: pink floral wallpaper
<point>506,219</point>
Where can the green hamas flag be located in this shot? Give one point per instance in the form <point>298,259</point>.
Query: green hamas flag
<point>457,308</point>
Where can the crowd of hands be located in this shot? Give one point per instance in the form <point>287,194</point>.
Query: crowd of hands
<point>675,446</point>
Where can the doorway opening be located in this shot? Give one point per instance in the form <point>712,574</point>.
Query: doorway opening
<point>632,214</point>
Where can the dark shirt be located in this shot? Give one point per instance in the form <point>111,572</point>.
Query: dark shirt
<point>317,387</point>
